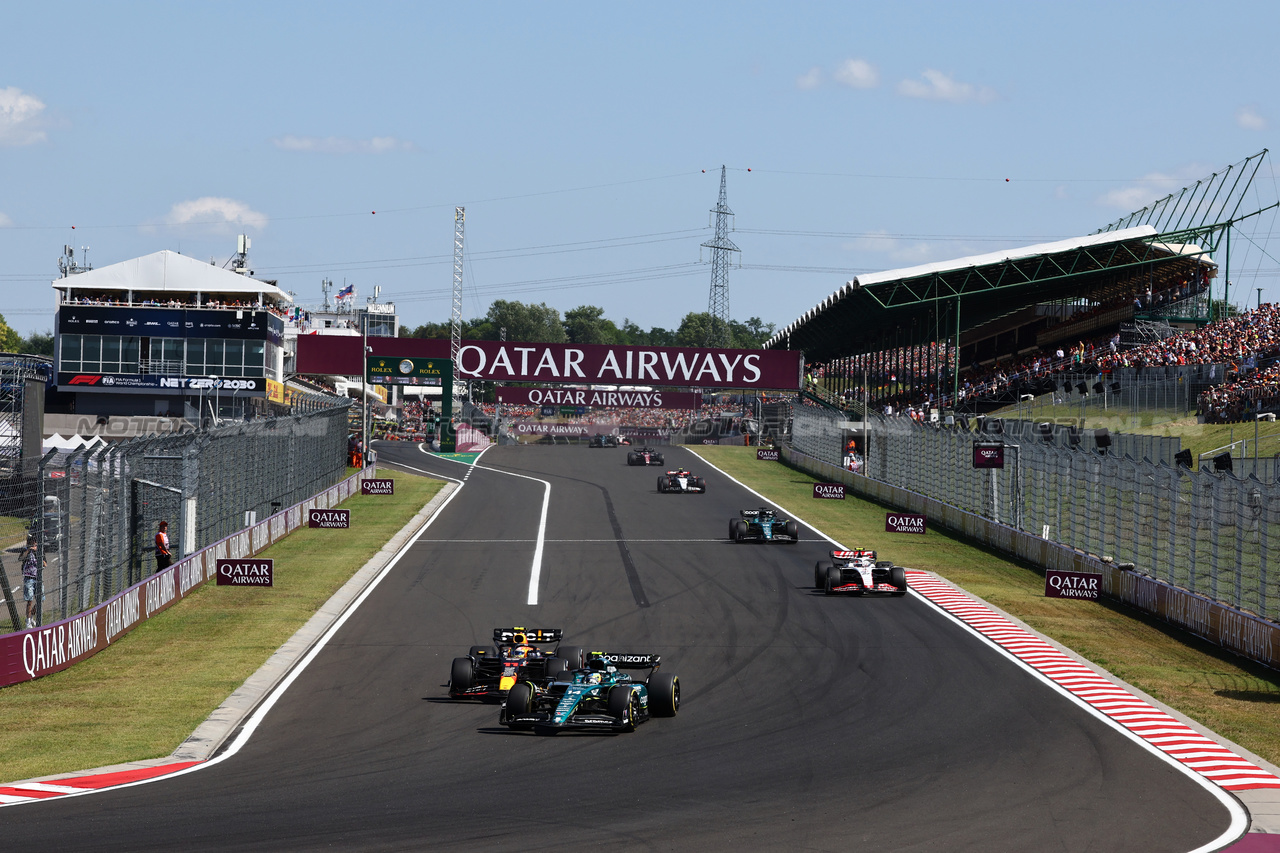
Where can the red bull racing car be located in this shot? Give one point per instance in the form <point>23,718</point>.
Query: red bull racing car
<point>681,480</point>
<point>644,456</point>
<point>488,672</point>
<point>859,572</point>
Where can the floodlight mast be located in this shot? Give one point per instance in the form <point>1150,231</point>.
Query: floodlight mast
<point>721,247</point>
<point>455,332</point>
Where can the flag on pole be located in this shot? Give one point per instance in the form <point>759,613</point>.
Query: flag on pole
<point>346,291</point>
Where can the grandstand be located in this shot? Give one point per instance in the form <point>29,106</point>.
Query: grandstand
<point>970,333</point>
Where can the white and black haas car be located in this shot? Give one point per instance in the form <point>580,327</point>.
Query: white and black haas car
<point>644,456</point>
<point>858,572</point>
<point>681,480</point>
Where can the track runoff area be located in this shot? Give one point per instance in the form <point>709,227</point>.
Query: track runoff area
<point>808,721</point>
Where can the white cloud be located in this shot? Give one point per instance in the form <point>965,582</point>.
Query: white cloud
<point>902,253</point>
<point>811,80</point>
<point>1248,118</point>
<point>211,210</point>
<point>341,144</point>
<point>857,74</point>
<point>937,86</point>
<point>20,118</point>
<point>1153,186</point>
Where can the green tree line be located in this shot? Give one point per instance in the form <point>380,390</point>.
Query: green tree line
<point>586,324</point>
<point>37,343</point>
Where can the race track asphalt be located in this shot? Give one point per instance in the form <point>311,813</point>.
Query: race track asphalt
<point>807,723</point>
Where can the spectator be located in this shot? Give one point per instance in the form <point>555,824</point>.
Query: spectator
<point>164,558</point>
<point>31,565</point>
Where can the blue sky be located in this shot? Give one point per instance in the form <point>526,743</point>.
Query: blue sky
<point>576,135</point>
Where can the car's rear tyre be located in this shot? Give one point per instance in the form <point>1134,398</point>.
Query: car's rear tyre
<point>631,458</point>
<point>793,530</point>
<point>739,531</point>
<point>553,667</point>
<point>658,460</point>
<point>664,694</point>
<point>519,702</point>
<point>623,707</point>
<point>462,675</point>
<point>832,581</point>
<point>573,654</point>
<point>701,485</point>
<point>733,527</point>
<point>662,485</point>
<point>898,577</point>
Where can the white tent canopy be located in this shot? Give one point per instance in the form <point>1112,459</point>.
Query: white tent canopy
<point>168,271</point>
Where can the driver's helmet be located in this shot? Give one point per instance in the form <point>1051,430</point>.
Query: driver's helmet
<point>520,648</point>
<point>593,678</point>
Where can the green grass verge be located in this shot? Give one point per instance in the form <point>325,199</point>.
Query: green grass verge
<point>1234,697</point>
<point>145,694</point>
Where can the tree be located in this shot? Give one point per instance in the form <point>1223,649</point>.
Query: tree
<point>751,334</point>
<point>697,328</point>
<point>10,341</point>
<point>38,343</point>
<point>533,323</point>
<point>586,325</point>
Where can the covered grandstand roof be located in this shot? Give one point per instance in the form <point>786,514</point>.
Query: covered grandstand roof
<point>170,272</point>
<point>918,304</point>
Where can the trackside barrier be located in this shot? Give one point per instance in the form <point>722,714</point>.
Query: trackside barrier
<point>37,652</point>
<point>1239,631</point>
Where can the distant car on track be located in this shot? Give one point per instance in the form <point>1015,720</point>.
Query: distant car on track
<point>488,672</point>
<point>859,572</point>
<point>764,525</point>
<point>644,456</point>
<point>681,480</point>
<point>599,440</point>
<point>599,696</point>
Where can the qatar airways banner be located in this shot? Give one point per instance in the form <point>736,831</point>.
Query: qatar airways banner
<point>602,399</point>
<point>508,361</point>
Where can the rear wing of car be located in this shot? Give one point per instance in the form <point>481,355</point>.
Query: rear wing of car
<point>531,635</point>
<point>625,660</point>
<point>852,555</point>
<point>749,513</point>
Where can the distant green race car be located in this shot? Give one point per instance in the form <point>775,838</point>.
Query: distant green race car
<point>763,524</point>
<point>599,697</point>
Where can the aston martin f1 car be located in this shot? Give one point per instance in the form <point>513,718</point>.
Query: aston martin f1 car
<point>599,440</point>
<point>599,696</point>
<point>859,572</point>
<point>488,672</point>
<point>644,456</point>
<point>763,524</point>
<point>681,480</point>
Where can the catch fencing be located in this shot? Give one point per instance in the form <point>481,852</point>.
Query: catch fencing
<point>1208,532</point>
<point>98,509</point>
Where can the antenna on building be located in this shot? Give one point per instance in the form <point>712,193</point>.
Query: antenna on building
<point>377,288</point>
<point>240,262</point>
<point>67,263</point>
<point>325,286</point>
<point>721,247</point>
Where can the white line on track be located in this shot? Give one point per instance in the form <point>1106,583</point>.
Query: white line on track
<point>535,574</point>
<point>1239,817</point>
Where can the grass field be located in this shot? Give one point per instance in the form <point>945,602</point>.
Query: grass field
<point>146,693</point>
<point>1234,697</point>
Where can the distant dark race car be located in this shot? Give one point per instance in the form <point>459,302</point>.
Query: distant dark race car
<point>859,572</point>
<point>599,440</point>
<point>599,696</point>
<point>644,456</point>
<point>763,525</point>
<point>488,672</point>
<point>681,480</point>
